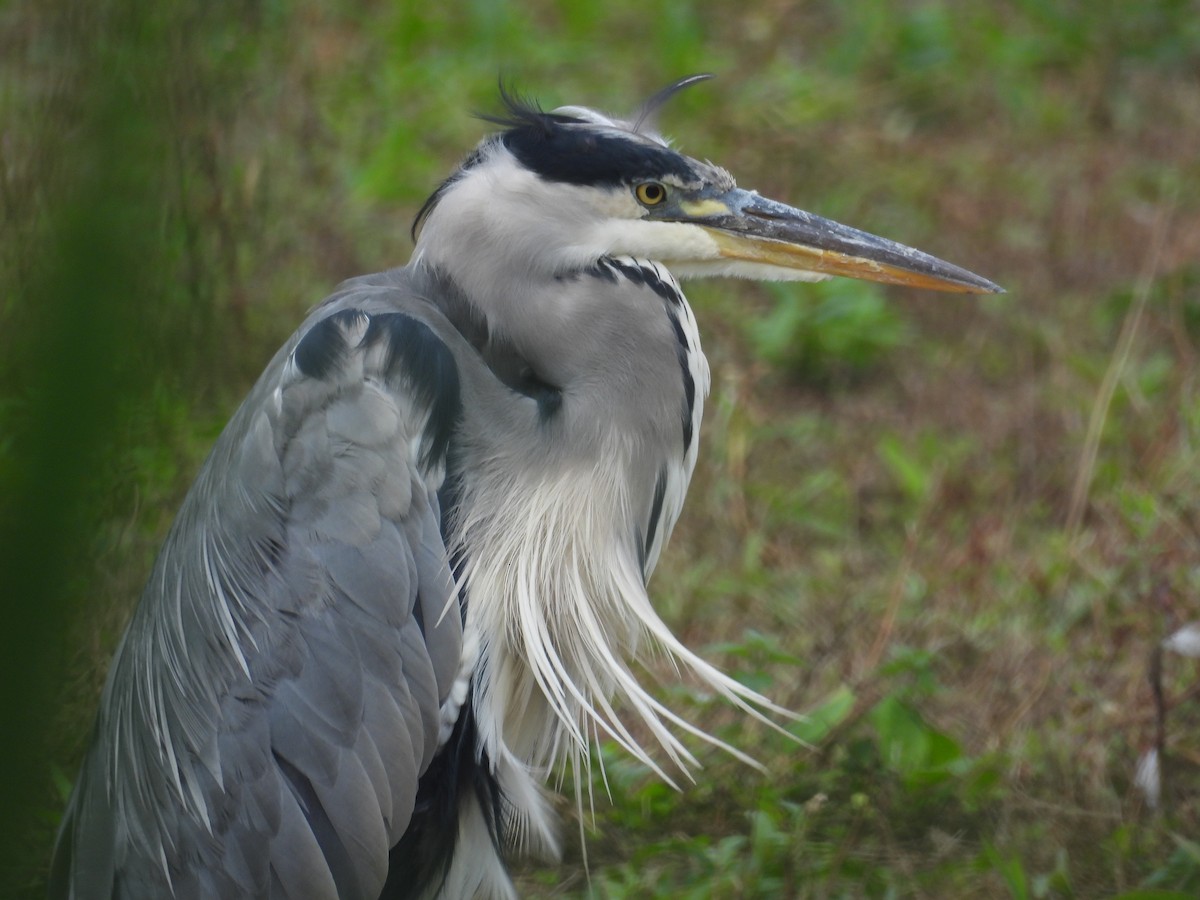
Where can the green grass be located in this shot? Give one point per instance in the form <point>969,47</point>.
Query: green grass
<point>950,529</point>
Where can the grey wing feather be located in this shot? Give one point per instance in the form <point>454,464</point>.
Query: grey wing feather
<point>277,695</point>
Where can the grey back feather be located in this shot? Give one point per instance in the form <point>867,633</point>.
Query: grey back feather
<point>278,693</point>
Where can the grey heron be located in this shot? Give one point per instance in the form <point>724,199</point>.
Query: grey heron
<point>409,582</point>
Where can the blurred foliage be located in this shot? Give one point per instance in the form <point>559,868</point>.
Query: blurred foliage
<point>105,286</point>
<point>828,331</point>
<point>878,526</point>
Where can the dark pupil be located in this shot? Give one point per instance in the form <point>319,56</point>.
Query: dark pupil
<point>653,192</point>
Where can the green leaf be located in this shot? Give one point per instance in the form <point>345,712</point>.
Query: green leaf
<point>910,746</point>
<point>818,722</point>
<point>905,468</point>
<point>821,330</point>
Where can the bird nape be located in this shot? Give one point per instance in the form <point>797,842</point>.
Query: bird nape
<point>409,583</point>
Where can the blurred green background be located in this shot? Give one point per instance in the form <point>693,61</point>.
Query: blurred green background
<point>952,529</point>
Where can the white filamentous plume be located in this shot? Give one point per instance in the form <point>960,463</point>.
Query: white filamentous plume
<point>556,588</point>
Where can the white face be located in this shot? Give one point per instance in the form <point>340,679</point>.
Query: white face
<point>499,212</point>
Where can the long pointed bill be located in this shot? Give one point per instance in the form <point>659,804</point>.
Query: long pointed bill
<point>754,229</point>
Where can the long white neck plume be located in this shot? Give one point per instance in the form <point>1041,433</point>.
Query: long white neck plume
<point>555,585</point>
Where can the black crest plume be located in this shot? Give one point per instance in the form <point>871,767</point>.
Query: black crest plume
<point>572,150</point>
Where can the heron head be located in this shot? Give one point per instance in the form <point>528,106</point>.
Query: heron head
<point>558,190</point>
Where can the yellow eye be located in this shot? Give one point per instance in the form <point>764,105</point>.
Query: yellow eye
<point>650,193</point>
